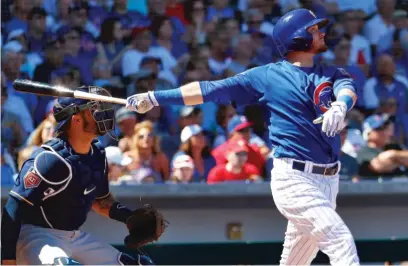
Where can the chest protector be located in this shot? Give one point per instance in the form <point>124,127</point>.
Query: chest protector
<point>71,177</point>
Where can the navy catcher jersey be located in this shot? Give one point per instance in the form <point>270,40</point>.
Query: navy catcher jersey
<point>59,186</point>
<point>294,96</point>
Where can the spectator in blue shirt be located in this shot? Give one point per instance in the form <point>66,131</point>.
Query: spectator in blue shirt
<point>386,85</point>
<point>6,171</point>
<point>36,34</point>
<point>20,10</point>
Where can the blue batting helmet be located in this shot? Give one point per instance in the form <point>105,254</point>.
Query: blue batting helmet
<point>290,32</point>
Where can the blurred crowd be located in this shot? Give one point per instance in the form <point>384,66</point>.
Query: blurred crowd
<point>132,46</point>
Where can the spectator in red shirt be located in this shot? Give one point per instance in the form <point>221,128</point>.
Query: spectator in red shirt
<point>240,129</point>
<point>237,168</point>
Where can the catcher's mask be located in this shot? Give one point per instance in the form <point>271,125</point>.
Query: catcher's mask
<point>102,112</point>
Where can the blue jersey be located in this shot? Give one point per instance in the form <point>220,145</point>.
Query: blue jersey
<point>294,96</point>
<point>56,186</point>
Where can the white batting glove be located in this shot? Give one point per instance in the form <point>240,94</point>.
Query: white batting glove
<point>333,119</point>
<point>142,102</point>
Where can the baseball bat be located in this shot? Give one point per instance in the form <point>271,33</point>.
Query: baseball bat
<point>318,120</point>
<point>28,86</point>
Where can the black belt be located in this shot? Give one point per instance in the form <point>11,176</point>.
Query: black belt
<point>319,170</point>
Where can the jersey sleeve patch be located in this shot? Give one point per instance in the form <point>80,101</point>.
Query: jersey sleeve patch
<point>31,179</point>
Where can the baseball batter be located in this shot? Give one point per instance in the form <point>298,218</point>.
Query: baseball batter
<point>306,155</point>
<point>57,187</point>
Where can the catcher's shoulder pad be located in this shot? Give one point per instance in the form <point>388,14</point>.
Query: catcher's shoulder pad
<point>52,167</point>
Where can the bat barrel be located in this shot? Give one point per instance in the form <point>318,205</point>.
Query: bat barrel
<point>28,86</point>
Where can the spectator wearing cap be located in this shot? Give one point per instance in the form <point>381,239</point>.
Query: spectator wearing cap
<point>13,132</point>
<point>126,121</point>
<point>20,11</point>
<point>140,47</point>
<point>189,115</point>
<point>74,56</point>
<point>110,46</point>
<point>387,85</point>
<point>194,144</point>
<point>381,158</point>
<point>146,151</point>
<point>237,167</point>
<point>182,170</point>
<point>240,128</point>
<point>380,24</point>
<point>117,163</point>
<point>36,34</point>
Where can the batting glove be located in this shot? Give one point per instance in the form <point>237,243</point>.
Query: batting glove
<point>333,119</point>
<point>142,102</point>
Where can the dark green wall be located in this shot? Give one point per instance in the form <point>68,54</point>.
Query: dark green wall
<point>261,253</point>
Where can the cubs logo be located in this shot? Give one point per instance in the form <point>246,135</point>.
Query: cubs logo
<point>322,96</point>
<point>31,179</point>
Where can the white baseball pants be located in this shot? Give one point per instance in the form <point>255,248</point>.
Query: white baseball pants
<point>37,245</point>
<point>308,201</point>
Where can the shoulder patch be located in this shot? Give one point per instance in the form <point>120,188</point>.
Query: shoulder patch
<point>31,179</point>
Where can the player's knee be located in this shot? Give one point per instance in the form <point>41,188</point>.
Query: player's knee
<point>331,230</point>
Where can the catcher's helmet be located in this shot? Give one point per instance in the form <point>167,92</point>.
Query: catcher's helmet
<point>290,32</point>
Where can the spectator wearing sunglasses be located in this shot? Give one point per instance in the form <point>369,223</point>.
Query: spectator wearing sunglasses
<point>146,152</point>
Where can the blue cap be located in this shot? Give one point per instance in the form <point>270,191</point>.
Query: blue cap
<point>374,122</point>
<point>238,122</point>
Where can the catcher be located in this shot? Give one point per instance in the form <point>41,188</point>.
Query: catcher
<point>58,186</point>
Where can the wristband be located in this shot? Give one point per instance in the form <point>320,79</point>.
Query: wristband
<point>119,212</point>
<point>347,99</point>
<point>168,97</point>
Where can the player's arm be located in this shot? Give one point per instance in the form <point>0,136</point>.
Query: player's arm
<point>23,195</point>
<point>345,89</point>
<point>243,88</point>
<point>10,230</point>
<point>110,207</point>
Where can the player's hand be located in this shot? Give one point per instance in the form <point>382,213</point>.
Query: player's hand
<point>333,119</point>
<point>8,262</point>
<point>140,103</point>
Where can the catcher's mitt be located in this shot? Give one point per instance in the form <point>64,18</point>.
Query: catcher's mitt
<point>145,225</point>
